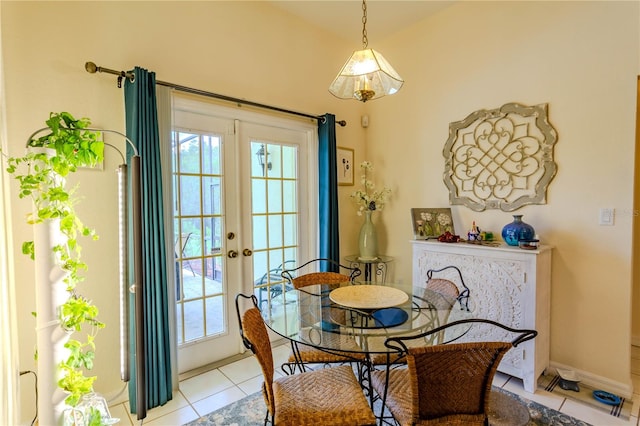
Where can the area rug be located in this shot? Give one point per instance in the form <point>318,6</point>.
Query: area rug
<point>551,383</point>
<point>250,411</point>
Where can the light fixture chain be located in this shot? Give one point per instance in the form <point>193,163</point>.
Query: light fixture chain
<point>365,41</point>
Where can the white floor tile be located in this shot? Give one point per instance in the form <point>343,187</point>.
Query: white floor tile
<point>218,400</point>
<point>120,411</point>
<point>547,399</point>
<point>178,402</point>
<point>214,389</point>
<point>178,417</point>
<point>242,370</point>
<point>281,354</point>
<point>593,416</point>
<point>204,385</point>
<point>252,385</point>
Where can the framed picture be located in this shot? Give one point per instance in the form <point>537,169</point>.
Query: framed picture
<point>431,222</point>
<point>345,166</point>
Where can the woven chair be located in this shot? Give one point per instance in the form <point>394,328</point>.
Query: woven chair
<point>441,295</point>
<point>299,278</point>
<point>331,396</point>
<point>446,384</point>
<point>301,355</point>
<point>446,286</point>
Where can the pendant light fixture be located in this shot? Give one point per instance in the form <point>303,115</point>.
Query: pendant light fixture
<point>366,75</point>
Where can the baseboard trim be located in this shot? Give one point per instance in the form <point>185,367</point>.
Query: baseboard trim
<point>624,390</point>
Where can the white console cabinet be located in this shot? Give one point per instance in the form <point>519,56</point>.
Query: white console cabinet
<point>508,285</point>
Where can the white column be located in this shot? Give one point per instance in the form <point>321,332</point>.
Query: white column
<point>50,294</point>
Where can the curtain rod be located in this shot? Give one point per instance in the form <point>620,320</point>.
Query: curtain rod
<point>93,68</point>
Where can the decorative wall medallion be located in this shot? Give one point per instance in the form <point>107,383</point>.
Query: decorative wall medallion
<point>500,158</point>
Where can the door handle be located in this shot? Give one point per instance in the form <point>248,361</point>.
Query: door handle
<point>247,252</point>
<point>232,254</point>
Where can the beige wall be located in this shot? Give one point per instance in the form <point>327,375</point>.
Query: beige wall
<point>581,58</point>
<point>635,326</point>
<point>242,49</point>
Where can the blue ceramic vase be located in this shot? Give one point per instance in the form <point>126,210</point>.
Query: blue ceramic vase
<point>517,230</point>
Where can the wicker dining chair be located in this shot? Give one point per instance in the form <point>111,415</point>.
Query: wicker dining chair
<point>341,273</point>
<point>446,384</point>
<point>302,355</point>
<point>331,396</point>
<point>447,286</point>
<point>440,296</point>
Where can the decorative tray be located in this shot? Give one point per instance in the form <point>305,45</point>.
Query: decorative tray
<point>368,296</point>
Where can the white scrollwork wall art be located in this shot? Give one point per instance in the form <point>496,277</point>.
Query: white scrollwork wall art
<point>500,158</point>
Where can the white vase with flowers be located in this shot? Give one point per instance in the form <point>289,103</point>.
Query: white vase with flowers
<point>369,199</point>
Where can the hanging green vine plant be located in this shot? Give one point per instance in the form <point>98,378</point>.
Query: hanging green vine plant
<point>41,175</point>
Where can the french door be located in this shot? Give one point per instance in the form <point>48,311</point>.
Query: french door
<point>243,210</point>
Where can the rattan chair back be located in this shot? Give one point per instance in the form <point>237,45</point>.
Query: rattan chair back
<point>447,383</point>
<point>256,338</point>
<point>319,278</point>
<point>453,382</point>
<point>329,397</point>
<point>443,286</point>
<point>341,273</point>
<point>447,286</point>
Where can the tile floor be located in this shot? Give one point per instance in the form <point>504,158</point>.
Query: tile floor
<point>205,392</point>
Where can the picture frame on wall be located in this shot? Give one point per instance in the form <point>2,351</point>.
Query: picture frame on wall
<point>345,165</point>
<point>430,223</point>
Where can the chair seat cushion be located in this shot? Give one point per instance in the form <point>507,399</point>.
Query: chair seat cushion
<point>327,396</point>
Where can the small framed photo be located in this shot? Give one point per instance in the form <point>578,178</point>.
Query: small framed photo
<point>430,223</point>
<point>345,166</point>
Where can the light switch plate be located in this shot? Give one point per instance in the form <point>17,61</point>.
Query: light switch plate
<point>606,216</point>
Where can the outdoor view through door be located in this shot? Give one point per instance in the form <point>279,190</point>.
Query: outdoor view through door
<point>237,219</point>
<point>198,227</point>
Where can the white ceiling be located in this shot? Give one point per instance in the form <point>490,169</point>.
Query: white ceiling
<point>344,17</point>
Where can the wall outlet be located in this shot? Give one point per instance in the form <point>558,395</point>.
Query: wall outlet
<point>606,216</point>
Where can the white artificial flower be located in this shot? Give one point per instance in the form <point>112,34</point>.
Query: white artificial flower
<point>368,198</point>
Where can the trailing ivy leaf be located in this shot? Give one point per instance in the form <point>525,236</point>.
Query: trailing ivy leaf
<point>28,249</point>
<point>41,178</point>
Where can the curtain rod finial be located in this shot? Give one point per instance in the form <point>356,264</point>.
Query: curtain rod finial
<point>90,67</point>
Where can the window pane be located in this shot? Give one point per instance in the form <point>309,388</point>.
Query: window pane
<point>275,196</point>
<point>211,199</point>
<point>215,315</point>
<point>258,196</point>
<point>259,232</point>
<point>290,229</point>
<point>193,329</point>
<point>189,153</point>
<point>210,155</point>
<point>275,158</point>
<point>289,196</point>
<point>289,162</point>
<point>275,230</point>
<point>189,195</point>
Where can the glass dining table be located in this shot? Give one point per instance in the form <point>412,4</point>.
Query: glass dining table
<point>359,317</point>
